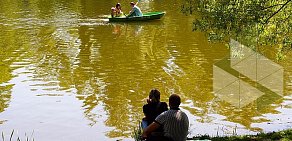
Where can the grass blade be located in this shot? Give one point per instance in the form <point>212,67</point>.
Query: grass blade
<point>11,135</point>
<point>2,136</point>
<point>31,134</point>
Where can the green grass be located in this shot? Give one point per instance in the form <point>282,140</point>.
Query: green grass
<point>285,135</point>
<point>136,134</point>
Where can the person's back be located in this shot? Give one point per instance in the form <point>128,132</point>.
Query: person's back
<point>152,110</point>
<point>175,124</point>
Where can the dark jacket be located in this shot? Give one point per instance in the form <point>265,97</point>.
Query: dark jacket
<point>152,110</point>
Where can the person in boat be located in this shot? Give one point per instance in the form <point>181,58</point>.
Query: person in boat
<point>136,11</point>
<point>117,11</point>
<point>175,123</point>
<point>153,108</point>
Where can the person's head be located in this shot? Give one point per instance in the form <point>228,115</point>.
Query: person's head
<point>174,101</point>
<point>113,9</point>
<point>118,6</point>
<point>154,95</point>
<point>132,4</point>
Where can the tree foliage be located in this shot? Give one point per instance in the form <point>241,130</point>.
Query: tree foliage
<point>255,22</point>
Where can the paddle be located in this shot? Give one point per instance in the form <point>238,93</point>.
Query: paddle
<point>137,2</point>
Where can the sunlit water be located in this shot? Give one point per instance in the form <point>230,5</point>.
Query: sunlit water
<point>68,74</point>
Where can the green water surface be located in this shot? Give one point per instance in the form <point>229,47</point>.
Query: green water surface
<point>68,74</point>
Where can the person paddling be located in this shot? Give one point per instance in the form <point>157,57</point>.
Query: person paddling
<point>136,11</point>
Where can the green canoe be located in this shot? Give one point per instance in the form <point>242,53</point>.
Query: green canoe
<point>146,17</point>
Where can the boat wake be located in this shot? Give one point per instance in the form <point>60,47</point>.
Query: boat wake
<point>100,20</point>
<point>92,22</point>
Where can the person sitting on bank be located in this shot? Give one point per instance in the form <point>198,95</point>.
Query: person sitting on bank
<point>117,11</point>
<point>153,108</point>
<point>174,121</point>
<point>135,12</point>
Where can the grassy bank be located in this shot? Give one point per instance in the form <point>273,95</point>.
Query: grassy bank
<point>285,135</point>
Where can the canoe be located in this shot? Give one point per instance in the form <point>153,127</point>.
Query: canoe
<point>146,17</point>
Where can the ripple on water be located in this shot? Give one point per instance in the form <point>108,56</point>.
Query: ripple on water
<point>67,53</point>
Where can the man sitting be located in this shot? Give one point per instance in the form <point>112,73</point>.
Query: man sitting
<point>135,12</point>
<point>174,121</point>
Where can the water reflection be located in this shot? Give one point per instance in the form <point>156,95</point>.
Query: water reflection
<point>5,96</point>
<point>248,83</point>
<point>62,50</point>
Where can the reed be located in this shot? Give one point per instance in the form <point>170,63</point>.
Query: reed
<point>137,133</point>
<point>13,137</point>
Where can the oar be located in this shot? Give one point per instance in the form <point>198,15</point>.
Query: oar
<point>137,2</point>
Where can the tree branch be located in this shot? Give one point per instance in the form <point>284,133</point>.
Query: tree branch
<point>272,6</point>
<point>278,10</point>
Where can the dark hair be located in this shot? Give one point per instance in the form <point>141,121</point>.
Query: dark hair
<point>117,5</point>
<point>174,101</point>
<point>154,93</point>
<point>132,3</point>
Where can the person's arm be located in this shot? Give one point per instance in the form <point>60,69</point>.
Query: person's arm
<point>137,2</point>
<point>160,120</point>
<point>152,127</point>
<point>131,12</point>
<point>146,110</point>
<point>134,9</point>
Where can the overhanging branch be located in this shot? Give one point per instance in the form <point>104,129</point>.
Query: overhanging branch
<point>278,10</point>
<point>272,6</point>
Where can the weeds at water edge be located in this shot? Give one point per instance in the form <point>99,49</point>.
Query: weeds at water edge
<point>285,135</point>
<point>12,137</point>
<point>137,133</point>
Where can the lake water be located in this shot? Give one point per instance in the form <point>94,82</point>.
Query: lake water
<point>68,74</point>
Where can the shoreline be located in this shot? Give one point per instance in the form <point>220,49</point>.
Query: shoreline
<point>284,135</point>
